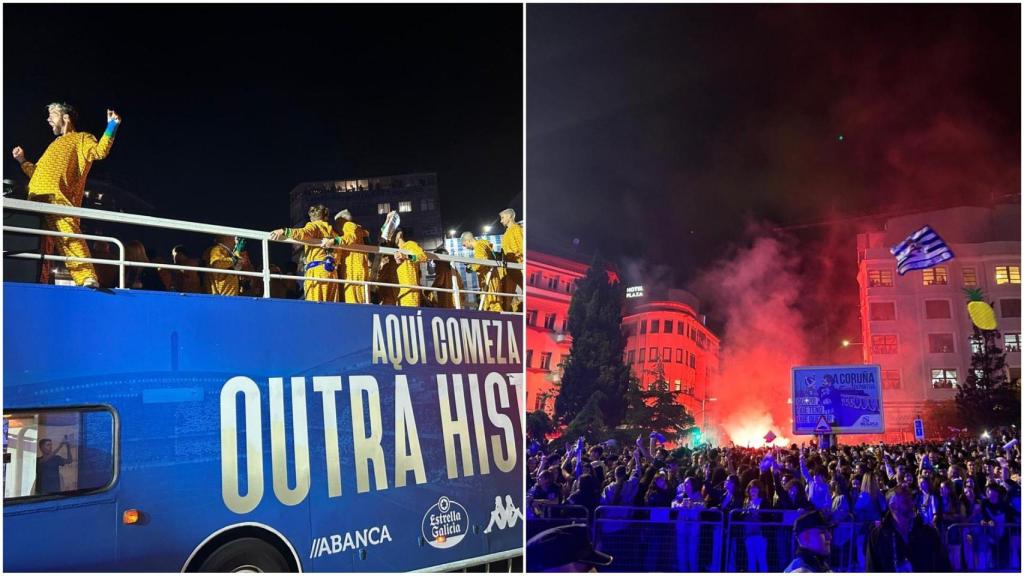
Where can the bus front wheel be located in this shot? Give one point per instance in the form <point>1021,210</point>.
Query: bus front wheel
<point>245,555</point>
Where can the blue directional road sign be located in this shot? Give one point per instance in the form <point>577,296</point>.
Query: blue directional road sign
<point>843,399</point>
<point>918,429</point>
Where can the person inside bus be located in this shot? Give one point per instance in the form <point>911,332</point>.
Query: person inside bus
<point>320,264</point>
<point>59,177</point>
<point>48,466</point>
<point>185,280</point>
<point>512,246</point>
<point>221,256</point>
<point>489,277</point>
<point>445,276</point>
<point>408,269</point>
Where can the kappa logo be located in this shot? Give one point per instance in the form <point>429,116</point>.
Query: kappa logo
<point>504,516</point>
<point>445,524</point>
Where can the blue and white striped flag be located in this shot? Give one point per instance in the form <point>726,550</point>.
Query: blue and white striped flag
<point>922,249</point>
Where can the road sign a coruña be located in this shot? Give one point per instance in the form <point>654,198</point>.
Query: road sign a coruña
<point>846,398</point>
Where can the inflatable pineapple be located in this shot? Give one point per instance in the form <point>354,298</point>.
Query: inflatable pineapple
<point>982,314</point>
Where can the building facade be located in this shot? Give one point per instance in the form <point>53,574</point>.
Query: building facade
<point>550,284</point>
<point>667,338</point>
<point>916,326</point>
<point>414,196</point>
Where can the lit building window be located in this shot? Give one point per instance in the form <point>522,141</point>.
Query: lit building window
<point>938,276</point>
<point>936,309</point>
<point>943,378</point>
<point>880,311</point>
<point>940,343</point>
<point>1011,341</point>
<point>679,355</point>
<point>970,277</point>
<point>880,278</point>
<point>531,318</point>
<point>549,321</point>
<point>977,344</point>
<point>405,206</point>
<point>535,279</point>
<point>655,326</point>
<point>891,380</point>
<point>529,358</point>
<point>679,385</point>
<point>884,344</point>
<point>1010,307</point>
<point>383,208</point>
<point>545,361</point>
<point>1007,274</point>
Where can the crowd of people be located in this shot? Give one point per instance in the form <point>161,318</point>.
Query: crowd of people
<point>898,501</point>
<point>59,178</point>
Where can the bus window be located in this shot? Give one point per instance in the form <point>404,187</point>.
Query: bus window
<point>57,451</point>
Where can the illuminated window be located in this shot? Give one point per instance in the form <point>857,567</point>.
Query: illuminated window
<point>549,321</point>
<point>943,378</point>
<point>405,206</point>
<point>655,326</point>
<point>1007,274</point>
<point>936,309</point>
<point>880,311</point>
<point>531,318</point>
<point>529,358</point>
<point>668,326</point>
<point>880,278</point>
<point>545,361</point>
<point>970,277</point>
<point>884,344</point>
<point>679,385</point>
<point>977,345</point>
<point>535,279</point>
<point>940,343</point>
<point>891,380</point>
<point>383,208</point>
<point>679,355</point>
<point>1010,307</point>
<point>1011,341</point>
<point>666,354</point>
<point>938,276</point>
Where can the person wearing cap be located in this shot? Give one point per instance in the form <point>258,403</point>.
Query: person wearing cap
<point>564,549</point>
<point>355,265</point>
<point>813,533</point>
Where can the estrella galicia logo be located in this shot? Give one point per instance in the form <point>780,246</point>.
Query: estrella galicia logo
<point>445,524</point>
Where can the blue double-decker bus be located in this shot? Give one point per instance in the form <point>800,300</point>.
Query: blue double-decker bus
<point>151,431</point>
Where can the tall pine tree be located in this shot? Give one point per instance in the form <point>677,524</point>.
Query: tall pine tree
<point>987,397</point>
<point>595,362</point>
<point>656,409</point>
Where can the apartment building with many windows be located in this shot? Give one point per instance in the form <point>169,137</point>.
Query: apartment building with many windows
<point>916,326</point>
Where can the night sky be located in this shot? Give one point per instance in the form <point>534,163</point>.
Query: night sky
<point>657,133</point>
<point>227,107</point>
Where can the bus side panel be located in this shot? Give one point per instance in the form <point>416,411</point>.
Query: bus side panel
<point>61,536</point>
<point>196,379</point>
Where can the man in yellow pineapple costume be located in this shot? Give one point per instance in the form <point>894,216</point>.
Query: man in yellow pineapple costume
<point>59,178</point>
<point>356,265</point>
<point>408,270</point>
<point>319,262</point>
<point>489,277</point>
<point>221,256</point>
<point>512,245</point>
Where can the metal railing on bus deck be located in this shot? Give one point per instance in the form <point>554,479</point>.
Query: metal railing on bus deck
<point>260,235</point>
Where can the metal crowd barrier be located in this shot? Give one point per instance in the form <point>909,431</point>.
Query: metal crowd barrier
<point>762,541</point>
<point>544,516</point>
<point>985,547</point>
<point>660,539</point>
